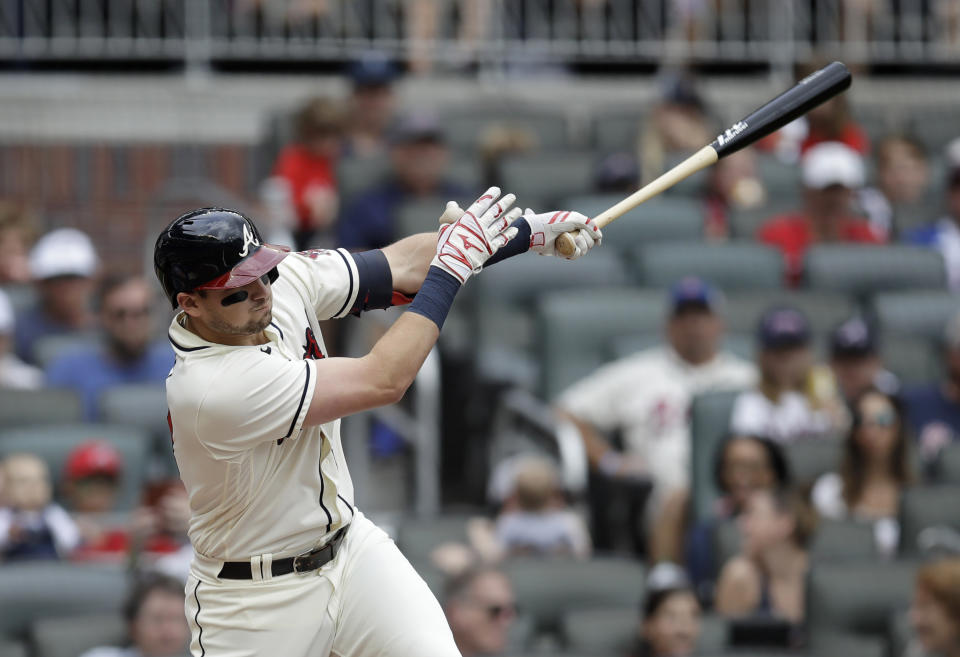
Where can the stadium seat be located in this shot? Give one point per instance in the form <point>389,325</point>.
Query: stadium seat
<point>780,180</point>
<point>44,406</point>
<point>809,459</point>
<point>731,266</point>
<point>355,174</point>
<point>13,649</point>
<point>824,310</point>
<point>617,131</point>
<point>547,588</point>
<point>21,297</point>
<point>843,540</point>
<point>32,591</point>
<point>467,127</point>
<point>847,644</point>
<point>710,422</point>
<point>744,222</point>
<point>740,344</point>
<point>914,360</point>
<point>49,348</point>
<point>69,637</point>
<point>860,270</point>
<point>948,467</point>
<point>421,215</point>
<point>926,506</point>
<point>662,219</point>
<point>574,330</point>
<point>918,313</point>
<point>614,631</point>
<point>542,181</point>
<point>142,405</point>
<point>53,443</point>
<point>417,537</point>
<point>856,597</point>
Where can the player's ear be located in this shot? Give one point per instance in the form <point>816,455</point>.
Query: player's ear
<point>188,301</point>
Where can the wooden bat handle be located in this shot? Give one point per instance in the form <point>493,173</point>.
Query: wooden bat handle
<point>699,160</point>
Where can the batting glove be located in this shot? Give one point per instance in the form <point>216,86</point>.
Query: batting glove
<point>464,245</point>
<point>546,227</point>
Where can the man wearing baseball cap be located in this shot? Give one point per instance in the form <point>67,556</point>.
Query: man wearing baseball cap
<point>371,105</point>
<point>91,477</point>
<point>778,408</point>
<point>831,174</point>
<point>855,360</point>
<point>63,265</point>
<point>647,396</point>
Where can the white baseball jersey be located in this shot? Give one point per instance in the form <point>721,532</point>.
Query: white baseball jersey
<point>260,481</point>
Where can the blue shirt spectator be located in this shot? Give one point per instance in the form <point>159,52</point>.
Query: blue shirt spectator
<point>127,354</point>
<point>418,159</point>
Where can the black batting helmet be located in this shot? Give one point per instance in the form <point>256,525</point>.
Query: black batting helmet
<point>212,249</point>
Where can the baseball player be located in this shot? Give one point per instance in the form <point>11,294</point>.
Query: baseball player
<point>285,563</point>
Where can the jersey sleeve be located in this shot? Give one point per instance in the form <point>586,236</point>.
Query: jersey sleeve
<point>327,278</point>
<point>261,398</point>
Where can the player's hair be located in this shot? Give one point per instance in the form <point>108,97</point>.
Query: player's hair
<point>941,579</point>
<point>143,587</point>
<point>853,467</point>
<point>776,460</point>
<point>457,585</point>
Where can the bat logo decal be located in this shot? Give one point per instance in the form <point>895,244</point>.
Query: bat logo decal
<point>731,132</point>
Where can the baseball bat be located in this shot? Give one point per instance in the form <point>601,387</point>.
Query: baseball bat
<point>811,91</point>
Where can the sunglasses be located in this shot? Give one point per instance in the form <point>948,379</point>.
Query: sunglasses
<point>498,611</point>
<point>132,313</point>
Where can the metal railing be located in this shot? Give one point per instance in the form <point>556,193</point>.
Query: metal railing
<point>491,33</point>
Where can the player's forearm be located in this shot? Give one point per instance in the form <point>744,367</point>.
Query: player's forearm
<point>409,260</point>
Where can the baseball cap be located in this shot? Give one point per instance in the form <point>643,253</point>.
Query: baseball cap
<point>93,457</point>
<point>781,328</point>
<point>374,69</point>
<point>63,252</point>
<point>832,163</point>
<point>693,291</point>
<point>416,127</point>
<point>6,314</point>
<point>853,337</point>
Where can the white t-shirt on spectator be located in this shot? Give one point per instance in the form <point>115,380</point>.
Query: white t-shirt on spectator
<point>648,396</point>
<point>827,498</point>
<point>788,419</point>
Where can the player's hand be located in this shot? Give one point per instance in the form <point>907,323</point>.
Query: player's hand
<point>547,226</point>
<point>464,245</point>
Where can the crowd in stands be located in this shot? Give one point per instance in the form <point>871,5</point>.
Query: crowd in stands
<point>67,322</point>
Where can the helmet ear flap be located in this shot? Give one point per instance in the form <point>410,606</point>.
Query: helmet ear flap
<point>273,275</point>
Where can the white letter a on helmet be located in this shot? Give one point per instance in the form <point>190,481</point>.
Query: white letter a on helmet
<point>248,241</point>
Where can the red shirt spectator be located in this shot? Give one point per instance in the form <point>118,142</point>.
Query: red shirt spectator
<point>849,134</point>
<point>307,174</point>
<point>831,174</point>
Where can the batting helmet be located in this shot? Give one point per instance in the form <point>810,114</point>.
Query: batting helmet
<point>212,249</point>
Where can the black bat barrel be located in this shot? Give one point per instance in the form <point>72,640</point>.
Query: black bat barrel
<point>814,89</point>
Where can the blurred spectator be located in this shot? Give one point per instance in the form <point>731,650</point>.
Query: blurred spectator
<point>903,181</point>
<point>831,174</point>
<point>933,409</point>
<point>935,611</point>
<point>670,626</point>
<point>156,625</point>
<point>943,235</point>
<point>874,471</point>
<point>31,525</point>
<point>647,396</point>
<point>128,353</point>
<point>63,263</point>
<point>371,105</point>
<point>678,123</point>
<point>480,608</point>
<point>535,518</point>
<point>617,173</point>
<point>768,577</point>
<point>91,477</point>
<point>831,121</point>
<point>309,168</point>
<point>855,360</point>
<point>781,407</point>
<point>418,155</point>
<point>733,185</point>
<point>742,466</point>
<point>14,373</point>
<point>16,237</point>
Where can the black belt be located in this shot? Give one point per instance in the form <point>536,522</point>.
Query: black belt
<point>302,563</point>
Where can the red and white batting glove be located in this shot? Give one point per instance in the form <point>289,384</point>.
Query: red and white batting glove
<point>464,245</point>
<point>546,227</point>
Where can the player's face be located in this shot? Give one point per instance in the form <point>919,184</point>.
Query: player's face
<point>240,311</point>
<point>675,627</point>
<point>160,628</point>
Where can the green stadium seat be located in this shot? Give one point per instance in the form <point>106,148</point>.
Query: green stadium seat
<point>726,542</point>
<point>614,631</point>
<point>541,181</point>
<point>49,348</point>
<point>44,406</point>
<point>926,506</point>
<point>901,632</point>
<point>918,313</point>
<point>32,591</point>
<point>710,422</point>
<point>780,180</point>
<point>357,174</point>
<point>859,270</point>
<point>691,187</point>
<point>21,297</point>
<point>13,649</point>
<point>617,131</point>
<point>72,636</point>
<point>142,405</point>
<point>843,540</point>
<point>824,310</point>
<point>417,537</point>
<point>811,458</point>
<point>662,219</point>
<point>914,360</point>
<point>856,597</point>
<point>421,215</point>
<point>948,468</point>
<point>574,329</point>
<point>744,222</point>
<point>467,127</point>
<point>547,588</point>
<point>848,644</point>
<point>731,266</point>
<point>53,443</point>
